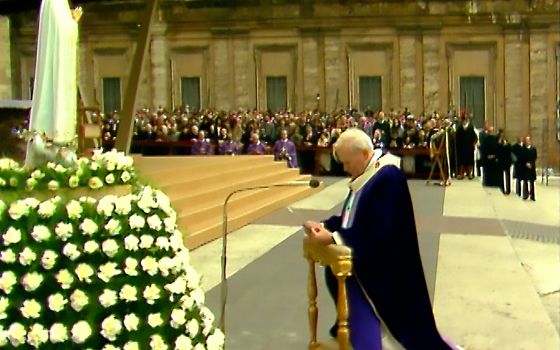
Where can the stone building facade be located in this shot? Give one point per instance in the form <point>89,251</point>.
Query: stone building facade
<point>422,55</point>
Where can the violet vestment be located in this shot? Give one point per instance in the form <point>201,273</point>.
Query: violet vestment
<point>387,292</point>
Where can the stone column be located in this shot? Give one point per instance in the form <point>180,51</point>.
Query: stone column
<point>515,61</point>
<point>311,86</point>
<point>336,93</point>
<point>222,74</point>
<point>538,93</point>
<point>241,81</point>
<point>160,67</point>
<point>408,74</point>
<point>432,88</point>
<point>5,61</point>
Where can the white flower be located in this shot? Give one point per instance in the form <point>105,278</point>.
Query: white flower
<point>91,247</point>
<point>130,266</point>
<point>108,271</point>
<point>80,332</point>
<point>4,303</point>
<point>63,231</point>
<point>71,251</point>
<point>183,343</point>
<point>48,260</point>
<point>57,302</point>
<point>74,209</point>
<point>125,176</point>
<point>37,335</point>
<point>110,179</point>
<point>146,241</point>
<point>111,165</point>
<point>136,222</point>
<point>128,293</point>
<point>18,209</point>
<point>155,320</point>
<point>31,281</point>
<point>178,286</point>
<point>16,334</point>
<point>8,256</point>
<point>131,345</point>
<point>216,340</point>
<point>111,327</point>
<point>12,236</point>
<point>37,174</point>
<point>88,200</point>
<point>53,185</point>
<point>110,247</point>
<point>84,272</point>
<point>157,343</point>
<point>73,181</point>
<point>154,222</point>
<point>193,277</point>
<point>46,209</point>
<point>2,182</point>
<point>193,327</point>
<point>8,163</point>
<point>151,293</point>
<point>105,205</point>
<point>170,224</point>
<point>30,309</point>
<point>64,278</point>
<point>110,347</point>
<point>123,205</point>
<point>58,333</point>
<point>176,242</point>
<point>114,227</point>
<point>94,182</point>
<point>131,243</point>
<point>150,265</point>
<point>165,264</point>
<point>31,202</point>
<point>51,165</point>
<point>40,233</point>
<point>199,346</point>
<point>206,314</point>
<point>163,243</point>
<point>187,302</point>
<point>60,169</point>
<point>7,281</point>
<point>30,183</point>
<point>178,318</point>
<point>131,322</point>
<point>198,296</point>
<point>108,298</point>
<point>78,300</point>
<point>88,227</point>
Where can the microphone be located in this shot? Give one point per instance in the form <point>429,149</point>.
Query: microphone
<point>313,183</point>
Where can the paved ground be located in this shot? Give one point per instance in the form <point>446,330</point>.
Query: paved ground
<point>492,264</point>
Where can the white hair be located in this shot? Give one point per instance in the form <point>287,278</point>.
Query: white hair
<point>355,138</point>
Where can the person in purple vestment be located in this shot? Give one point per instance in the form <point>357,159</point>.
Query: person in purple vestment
<point>255,145</point>
<point>285,149</point>
<point>389,305</point>
<point>228,146</point>
<point>202,145</point>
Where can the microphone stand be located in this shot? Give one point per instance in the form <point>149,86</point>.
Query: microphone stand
<point>223,284</point>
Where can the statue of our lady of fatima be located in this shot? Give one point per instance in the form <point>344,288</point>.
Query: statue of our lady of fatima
<point>54,104</point>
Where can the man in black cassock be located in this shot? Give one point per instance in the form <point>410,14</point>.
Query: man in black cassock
<point>518,164</point>
<point>465,141</point>
<point>489,158</point>
<point>389,305</point>
<point>529,169</point>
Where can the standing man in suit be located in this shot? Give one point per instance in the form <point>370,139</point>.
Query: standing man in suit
<point>529,170</point>
<point>504,158</point>
<point>518,164</point>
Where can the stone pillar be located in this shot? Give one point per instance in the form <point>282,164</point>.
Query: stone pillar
<point>432,88</point>
<point>241,59</point>
<point>311,86</point>
<point>538,93</point>
<point>336,93</point>
<point>222,75</point>
<point>408,74</point>
<point>5,61</point>
<point>515,60</point>
<point>160,68</point>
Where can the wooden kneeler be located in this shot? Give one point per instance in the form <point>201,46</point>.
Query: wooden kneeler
<point>339,259</point>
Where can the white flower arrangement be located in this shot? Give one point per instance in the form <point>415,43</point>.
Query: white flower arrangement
<point>103,169</point>
<point>108,274</point>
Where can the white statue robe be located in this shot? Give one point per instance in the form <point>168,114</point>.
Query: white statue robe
<point>54,102</point>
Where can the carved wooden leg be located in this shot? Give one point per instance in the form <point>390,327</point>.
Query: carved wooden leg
<point>343,335</point>
<point>312,309</point>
